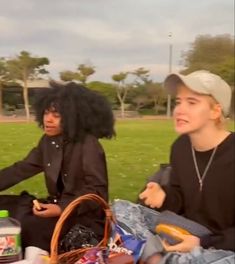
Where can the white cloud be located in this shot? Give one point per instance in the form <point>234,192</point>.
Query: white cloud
<point>93,29</point>
<point>7,27</point>
<point>113,35</point>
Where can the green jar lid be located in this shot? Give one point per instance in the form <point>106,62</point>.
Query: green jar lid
<point>4,213</point>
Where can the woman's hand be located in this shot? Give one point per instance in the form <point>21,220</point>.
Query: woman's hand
<point>47,210</point>
<point>153,195</point>
<point>186,245</point>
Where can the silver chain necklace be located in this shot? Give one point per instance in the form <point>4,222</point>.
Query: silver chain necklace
<point>201,178</point>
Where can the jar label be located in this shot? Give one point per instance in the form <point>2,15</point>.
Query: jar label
<point>10,245</point>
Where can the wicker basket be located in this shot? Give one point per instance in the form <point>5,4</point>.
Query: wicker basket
<point>72,256</point>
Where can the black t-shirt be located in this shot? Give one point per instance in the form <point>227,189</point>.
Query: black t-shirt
<point>214,205</point>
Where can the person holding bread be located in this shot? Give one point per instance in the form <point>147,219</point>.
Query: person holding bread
<point>201,183</point>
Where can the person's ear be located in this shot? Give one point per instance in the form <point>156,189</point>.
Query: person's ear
<point>216,111</point>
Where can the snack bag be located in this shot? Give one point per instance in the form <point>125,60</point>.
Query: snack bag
<point>94,256</point>
<point>122,241</point>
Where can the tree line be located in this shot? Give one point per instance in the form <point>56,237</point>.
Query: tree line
<point>134,89</point>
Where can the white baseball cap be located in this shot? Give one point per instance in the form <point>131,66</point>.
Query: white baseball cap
<point>203,82</point>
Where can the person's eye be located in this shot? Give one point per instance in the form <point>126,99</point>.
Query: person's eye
<point>192,102</point>
<point>56,115</point>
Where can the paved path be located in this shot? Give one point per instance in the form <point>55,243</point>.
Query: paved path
<point>15,119</point>
<point>22,119</point>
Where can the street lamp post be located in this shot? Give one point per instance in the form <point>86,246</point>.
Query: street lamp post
<point>170,70</point>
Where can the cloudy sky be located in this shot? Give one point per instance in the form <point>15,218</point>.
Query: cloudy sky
<point>112,35</point>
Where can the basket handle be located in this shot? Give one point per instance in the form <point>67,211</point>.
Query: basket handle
<point>108,220</point>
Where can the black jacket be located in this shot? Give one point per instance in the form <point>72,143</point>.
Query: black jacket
<point>71,170</point>
<point>80,166</point>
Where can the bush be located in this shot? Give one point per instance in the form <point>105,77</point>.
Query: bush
<point>145,111</point>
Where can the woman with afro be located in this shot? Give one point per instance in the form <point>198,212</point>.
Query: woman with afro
<point>73,119</point>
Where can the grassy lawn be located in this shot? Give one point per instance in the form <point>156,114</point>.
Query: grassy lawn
<point>135,154</point>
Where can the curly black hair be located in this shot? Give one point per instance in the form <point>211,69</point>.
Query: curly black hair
<point>82,110</point>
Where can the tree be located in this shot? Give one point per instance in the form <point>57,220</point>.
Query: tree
<point>105,89</point>
<point>85,71</point>
<point>67,76</point>
<point>157,94</point>
<point>23,68</point>
<point>142,76</point>
<point>141,100</point>
<point>140,83</point>
<point>215,54</point>
<point>82,74</point>
<point>3,78</point>
<point>121,89</point>
<point>226,69</point>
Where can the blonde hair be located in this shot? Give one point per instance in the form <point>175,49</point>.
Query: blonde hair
<point>221,121</point>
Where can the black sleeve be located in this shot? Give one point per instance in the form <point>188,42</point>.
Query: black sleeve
<point>174,198</point>
<point>95,174</point>
<point>21,170</point>
<point>225,240</point>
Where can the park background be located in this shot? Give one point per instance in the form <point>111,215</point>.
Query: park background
<point>135,154</point>
<point>123,49</point>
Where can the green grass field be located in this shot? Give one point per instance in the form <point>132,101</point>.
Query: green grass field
<point>134,155</point>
